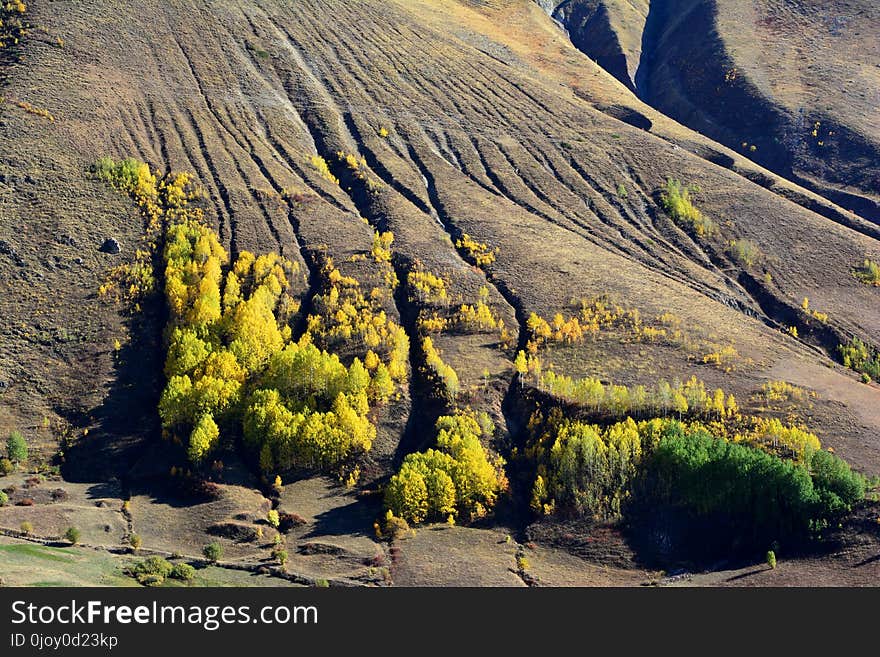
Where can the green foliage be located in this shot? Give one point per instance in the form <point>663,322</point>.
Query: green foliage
<point>26,528</point>
<point>676,200</point>
<point>135,541</point>
<point>458,477</point>
<point>860,357</point>
<point>748,490</point>
<point>743,495</point>
<point>152,571</point>
<point>771,559</point>
<point>182,571</point>
<point>72,535</point>
<point>6,467</point>
<point>213,551</point>
<point>745,252</point>
<point>837,485</point>
<point>280,555</point>
<point>16,447</point>
<point>868,273</point>
<point>4,498</point>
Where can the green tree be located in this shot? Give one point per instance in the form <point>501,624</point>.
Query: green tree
<point>183,572</point>
<point>72,535</point>
<point>213,552</point>
<point>16,447</point>
<point>771,559</point>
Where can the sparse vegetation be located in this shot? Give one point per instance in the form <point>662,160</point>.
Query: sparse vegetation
<point>868,273</point>
<point>744,252</point>
<point>72,535</point>
<point>676,200</point>
<point>319,164</point>
<point>478,252</point>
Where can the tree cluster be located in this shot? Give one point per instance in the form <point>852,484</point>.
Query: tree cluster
<point>458,478</point>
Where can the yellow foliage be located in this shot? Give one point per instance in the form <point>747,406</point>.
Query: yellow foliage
<point>479,252</point>
<point>320,165</point>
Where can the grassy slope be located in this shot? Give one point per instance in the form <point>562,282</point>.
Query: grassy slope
<point>494,131</point>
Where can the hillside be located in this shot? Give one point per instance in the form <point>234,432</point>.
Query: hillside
<point>313,124</point>
<point>791,84</point>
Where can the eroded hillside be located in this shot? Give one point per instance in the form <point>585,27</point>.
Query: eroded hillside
<point>791,84</point>
<point>466,129</point>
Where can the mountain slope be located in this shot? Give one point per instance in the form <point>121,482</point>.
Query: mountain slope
<point>475,118</point>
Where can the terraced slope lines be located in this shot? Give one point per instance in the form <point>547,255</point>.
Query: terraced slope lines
<point>299,278</point>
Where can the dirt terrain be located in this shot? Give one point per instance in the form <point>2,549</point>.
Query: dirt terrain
<point>790,84</point>
<point>471,117</point>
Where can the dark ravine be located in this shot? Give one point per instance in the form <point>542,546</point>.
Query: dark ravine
<point>731,112</point>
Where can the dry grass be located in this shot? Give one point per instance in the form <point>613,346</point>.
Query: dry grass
<point>483,139</point>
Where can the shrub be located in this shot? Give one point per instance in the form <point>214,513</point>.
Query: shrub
<point>183,572</point>
<point>213,551</point>
<point>860,357</point>
<point>59,495</point>
<point>273,518</point>
<point>745,252</point>
<point>868,273</point>
<point>135,541</point>
<point>6,467</point>
<point>4,498</point>
<point>280,555</point>
<point>16,447</point>
<point>26,528</point>
<point>771,559</point>
<point>72,535</point>
<point>152,571</point>
<point>676,200</point>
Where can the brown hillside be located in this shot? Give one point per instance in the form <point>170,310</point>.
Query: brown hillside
<point>497,127</point>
